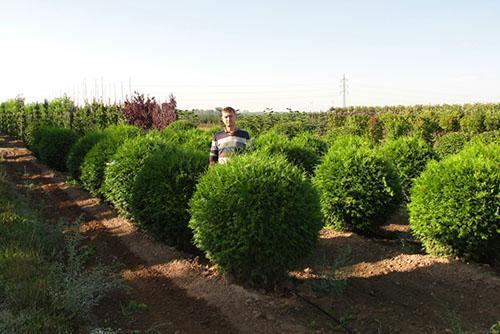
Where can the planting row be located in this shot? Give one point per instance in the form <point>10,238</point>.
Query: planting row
<point>259,214</point>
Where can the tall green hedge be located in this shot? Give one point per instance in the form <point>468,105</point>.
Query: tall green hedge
<point>255,217</point>
<point>79,150</point>
<point>455,204</point>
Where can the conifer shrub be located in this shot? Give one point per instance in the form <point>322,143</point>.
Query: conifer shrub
<point>473,122</point>
<point>162,191</point>
<point>181,125</point>
<point>492,120</point>
<point>450,143</point>
<point>358,188</point>
<point>311,140</point>
<point>192,138</point>
<point>94,162</point>
<point>121,172</point>
<point>255,217</point>
<point>53,145</point>
<point>395,125</point>
<point>79,150</point>
<point>455,203</point>
<point>487,137</point>
<point>409,156</point>
<point>296,151</point>
<point>290,128</point>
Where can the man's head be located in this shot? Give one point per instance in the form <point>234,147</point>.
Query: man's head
<point>229,119</point>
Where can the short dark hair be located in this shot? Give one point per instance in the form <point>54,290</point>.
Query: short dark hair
<point>229,109</point>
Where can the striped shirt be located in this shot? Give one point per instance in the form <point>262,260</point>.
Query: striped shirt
<point>226,144</point>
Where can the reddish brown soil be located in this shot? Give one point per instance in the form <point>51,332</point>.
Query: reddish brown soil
<point>390,285</point>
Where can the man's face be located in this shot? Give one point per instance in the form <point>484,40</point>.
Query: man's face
<point>229,120</point>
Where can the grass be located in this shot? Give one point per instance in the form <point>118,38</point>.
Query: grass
<point>46,285</point>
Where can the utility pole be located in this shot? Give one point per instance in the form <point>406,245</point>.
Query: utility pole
<point>343,89</point>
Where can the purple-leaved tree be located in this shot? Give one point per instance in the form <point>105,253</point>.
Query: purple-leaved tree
<point>147,114</point>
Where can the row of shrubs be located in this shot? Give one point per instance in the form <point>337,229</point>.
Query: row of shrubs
<point>281,191</point>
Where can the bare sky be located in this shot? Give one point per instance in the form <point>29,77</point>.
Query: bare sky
<point>253,54</point>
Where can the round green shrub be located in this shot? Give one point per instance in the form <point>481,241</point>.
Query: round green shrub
<point>297,152</point>
<point>181,125</point>
<point>79,150</point>
<point>473,122</point>
<point>409,156</point>
<point>455,204</point>
<point>290,128</point>
<point>54,145</point>
<point>94,162</point>
<point>311,140</point>
<point>395,125</point>
<point>450,143</point>
<point>162,191</point>
<point>192,138</point>
<point>487,137</point>
<point>255,217</point>
<point>121,172</point>
<point>358,188</point>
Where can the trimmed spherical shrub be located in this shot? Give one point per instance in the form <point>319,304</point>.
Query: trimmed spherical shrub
<point>255,217</point>
<point>181,125</point>
<point>162,191</point>
<point>311,140</point>
<point>409,155</point>
<point>488,137</point>
<point>192,138</point>
<point>53,145</point>
<point>79,150</point>
<point>297,152</point>
<point>450,143</point>
<point>455,204</point>
<point>358,188</point>
<point>121,172</point>
<point>94,162</point>
<point>290,128</point>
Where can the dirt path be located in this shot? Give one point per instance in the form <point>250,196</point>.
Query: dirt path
<point>389,287</point>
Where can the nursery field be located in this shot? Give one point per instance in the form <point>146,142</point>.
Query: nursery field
<point>384,283</point>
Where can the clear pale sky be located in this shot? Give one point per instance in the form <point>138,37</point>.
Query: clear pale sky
<point>253,54</point>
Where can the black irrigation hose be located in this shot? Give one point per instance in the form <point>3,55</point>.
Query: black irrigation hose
<point>331,316</point>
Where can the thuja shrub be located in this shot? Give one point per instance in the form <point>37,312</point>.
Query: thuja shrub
<point>290,128</point>
<point>395,125</point>
<point>311,140</point>
<point>53,145</point>
<point>255,217</point>
<point>162,191</point>
<point>121,172</point>
<point>79,150</point>
<point>192,138</point>
<point>450,143</point>
<point>94,162</point>
<point>358,188</point>
<point>473,122</point>
<point>409,156</point>
<point>487,137</point>
<point>181,125</point>
<point>455,203</point>
<point>296,151</point>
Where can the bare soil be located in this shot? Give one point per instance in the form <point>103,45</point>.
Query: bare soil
<point>384,284</point>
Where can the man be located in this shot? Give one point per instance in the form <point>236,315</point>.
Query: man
<point>229,141</point>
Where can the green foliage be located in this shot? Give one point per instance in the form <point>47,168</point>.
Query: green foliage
<point>79,150</point>
<point>255,217</point>
<point>358,188</point>
<point>296,151</point>
<point>450,143</point>
<point>395,125</point>
<point>162,191</point>
<point>182,125</point>
<point>290,128</point>
<point>192,138</point>
<point>121,172</point>
<point>473,122</point>
<point>357,124</point>
<point>454,206</point>
<point>53,145</point>
<point>425,125</point>
<point>311,140</point>
<point>94,162</point>
<point>45,283</point>
<point>409,155</point>
<point>487,137</point>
